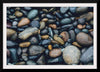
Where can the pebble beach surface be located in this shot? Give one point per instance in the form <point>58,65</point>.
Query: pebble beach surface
<point>50,36</point>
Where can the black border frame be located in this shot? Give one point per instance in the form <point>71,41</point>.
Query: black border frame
<point>45,1</point>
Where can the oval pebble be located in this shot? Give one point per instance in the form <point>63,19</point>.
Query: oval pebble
<point>64,9</point>
<point>65,21</point>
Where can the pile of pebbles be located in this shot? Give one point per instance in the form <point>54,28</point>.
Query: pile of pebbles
<point>50,36</point>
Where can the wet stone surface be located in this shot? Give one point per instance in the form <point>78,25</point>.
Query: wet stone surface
<point>50,35</point>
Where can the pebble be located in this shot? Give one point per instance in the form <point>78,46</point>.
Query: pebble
<point>19,50</point>
<point>81,20</point>
<point>71,55</point>
<point>84,39</point>
<point>34,50</point>
<point>23,21</point>
<point>27,33</point>
<point>85,30</point>
<point>55,53</point>
<point>32,14</point>
<point>45,37</point>
<point>34,40</point>
<point>42,25</point>
<point>79,26</point>
<point>53,26</point>
<point>9,24</point>
<point>88,16</point>
<point>64,9</point>
<point>20,63</point>
<point>88,26</point>
<point>66,15</point>
<point>45,19</point>
<point>12,17</point>
<point>11,43</point>
<point>65,35</point>
<point>77,30</point>
<point>44,31</point>
<point>49,16</point>
<point>35,24</point>
<point>76,44</point>
<point>54,42</point>
<point>30,62</point>
<point>81,10</point>
<point>18,14</point>
<point>27,8</point>
<point>65,21</point>
<point>87,56</point>
<point>75,23</point>
<point>73,9</point>
<point>50,47</point>
<point>24,44</point>
<point>41,60</point>
<point>14,23</point>
<point>72,35</point>
<point>45,42</point>
<point>10,32</point>
<point>58,39</point>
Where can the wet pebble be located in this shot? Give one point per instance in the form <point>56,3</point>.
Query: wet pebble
<point>65,21</point>
<point>45,42</point>
<point>35,24</point>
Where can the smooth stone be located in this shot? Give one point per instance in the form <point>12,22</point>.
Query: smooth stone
<point>56,31</point>
<point>53,26</point>
<point>18,14</point>
<point>13,56</point>
<point>23,21</point>
<point>77,30</point>
<point>85,30</point>
<point>34,50</point>
<point>11,43</point>
<point>84,39</point>
<point>72,35</point>
<point>28,32</point>
<point>19,50</point>
<point>41,60</point>
<point>24,56</point>
<point>66,15</point>
<point>49,16</point>
<point>58,15</point>
<point>45,42</point>
<point>34,40</point>
<point>76,44</point>
<point>32,57</point>
<point>10,32</point>
<point>24,50</point>
<point>50,32</point>
<point>27,8</point>
<point>81,20</point>
<point>58,39</point>
<point>14,23</point>
<point>45,37</point>
<point>20,63</point>
<point>12,17</point>
<point>30,62</point>
<point>45,19</point>
<point>24,12</point>
<point>51,21</point>
<point>44,31</point>
<point>65,21</point>
<point>71,54</point>
<point>24,44</point>
<point>87,56</point>
<point>80,10</point>
<point>55,53</point>
<point>67,26</point>
<point>88,16</point>
<point>64,9</point>
<point>75,23</point>
<point>33,13</point>
<point>88,27</point>
<point>42,25</point>
<point>73,9</point>
<point>35,24</point>
<point>65,35</point>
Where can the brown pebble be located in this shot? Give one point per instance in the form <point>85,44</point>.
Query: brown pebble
<point>18,14</point>
<point>20,63</point>
<point>65,35</point>
<point>45,36</point>
<point>23,21</point>
<point>55,53</point>
<point>76,44</point>
<point>53,26</point>
<point>10,32</point>
<point>54,42</point>
<point>24,44</point>
<point>79,26</point>
<point>45,19</point>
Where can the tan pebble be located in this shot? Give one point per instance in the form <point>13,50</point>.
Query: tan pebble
<point>20,63</point>
<point>23,21</point>
<point>10,32</point>
<point>58,39</point>
<point>45,19</point>
<point>50,47</point>
<point>54,42</point>
<point>24,44</point>
<point>76,44</point>
<point>53,26</point>
<point>79,26</point>
<point>42,25</point>
<point>18,14</point>
<point>55,53</point>
<point>38,31</point>
<point>45,10</point>
<point>45,36</point>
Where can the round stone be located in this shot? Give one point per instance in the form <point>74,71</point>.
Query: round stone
<point>81,10</point>
<point>72,9</point>
<point>55,53</point>
<point>35,24</point>
<point>45,42</point>
<point>34,40</point>
<point>71,55</point>
<point>79,26</point>
<point>66,21</point>
<point>84,39</point>
<point>81,20</point>
<point>85,30</point>
<point>18,14</point>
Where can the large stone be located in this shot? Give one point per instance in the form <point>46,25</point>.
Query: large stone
<point>84,39</point>
<point>71,55</point>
